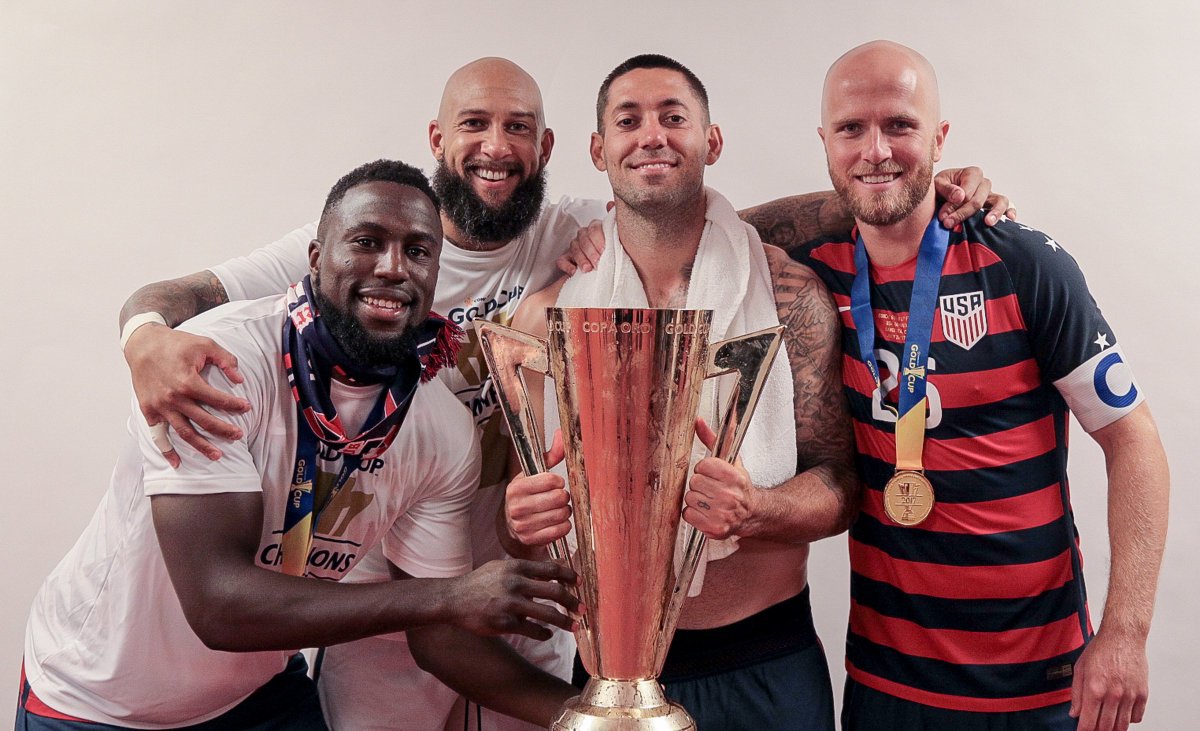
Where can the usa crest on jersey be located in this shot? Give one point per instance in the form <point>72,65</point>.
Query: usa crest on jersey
<point>964,318</point>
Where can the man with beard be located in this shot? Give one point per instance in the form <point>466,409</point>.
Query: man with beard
<point>966,351</point>
<point>491,144</point>
<point>184,600</point>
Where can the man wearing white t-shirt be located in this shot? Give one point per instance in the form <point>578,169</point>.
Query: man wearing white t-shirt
<point>492,146</point>
<point>184,600</point>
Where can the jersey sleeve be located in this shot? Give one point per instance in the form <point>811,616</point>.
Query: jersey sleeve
<point>270,269</point>
<point>432,538</point>
<point>1075,347</point>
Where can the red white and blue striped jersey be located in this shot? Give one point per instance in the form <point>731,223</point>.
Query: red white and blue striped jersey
<point>982,606</point>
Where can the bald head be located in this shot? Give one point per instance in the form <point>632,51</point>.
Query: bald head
<point>486,80</point>
<point>492,145</point>
<point>881,66</point>
<point>880,122</point>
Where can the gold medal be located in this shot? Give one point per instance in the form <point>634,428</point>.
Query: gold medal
<point>908,497</point>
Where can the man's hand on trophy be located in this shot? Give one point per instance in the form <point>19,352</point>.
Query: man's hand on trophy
<point>499,598</point>
<point>721,497</point>
<point>537,508</point>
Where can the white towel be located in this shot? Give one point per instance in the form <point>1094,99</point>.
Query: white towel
<point>731,277</point>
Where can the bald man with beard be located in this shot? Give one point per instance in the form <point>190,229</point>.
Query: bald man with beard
<point>492,145</point>
<point>966,351</point>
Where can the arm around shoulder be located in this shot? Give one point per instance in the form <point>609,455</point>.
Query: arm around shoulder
<point>165,364</point>
<point>795,220</point>
<point>176,299</point>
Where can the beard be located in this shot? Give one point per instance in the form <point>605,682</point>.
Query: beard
<point>663,202</point>
<point>480,222</point>
<point>890,207</point>
<point>362,347</point>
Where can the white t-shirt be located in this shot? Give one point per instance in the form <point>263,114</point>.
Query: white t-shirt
<point>471,285</point>
<point>107,639</point>
<point>356,692</point>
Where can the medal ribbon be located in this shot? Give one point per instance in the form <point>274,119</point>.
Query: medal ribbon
<point>311,356</point>
<point>910,416</point>
<point>302,513</point>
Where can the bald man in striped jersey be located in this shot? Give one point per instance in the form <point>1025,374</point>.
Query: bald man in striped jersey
<point>966,350</point>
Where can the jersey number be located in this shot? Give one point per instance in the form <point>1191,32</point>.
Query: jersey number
<point>890,362</point>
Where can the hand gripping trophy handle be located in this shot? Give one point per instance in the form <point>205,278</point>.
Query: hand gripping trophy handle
<point>506,352</point>
<point>750,357</point>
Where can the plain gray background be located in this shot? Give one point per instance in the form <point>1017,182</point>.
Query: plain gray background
<point>143,140</point>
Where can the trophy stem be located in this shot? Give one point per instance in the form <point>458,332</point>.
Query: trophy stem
<point>622,705</point>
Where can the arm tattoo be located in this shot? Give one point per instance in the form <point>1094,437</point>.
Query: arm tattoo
<point>177,299</point>
<point>795,220</point>
<point>824,440</point>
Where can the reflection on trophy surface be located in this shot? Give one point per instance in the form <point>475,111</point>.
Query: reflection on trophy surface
<point>628,384</point>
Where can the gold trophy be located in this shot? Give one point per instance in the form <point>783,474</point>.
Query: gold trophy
<point>628,383</point>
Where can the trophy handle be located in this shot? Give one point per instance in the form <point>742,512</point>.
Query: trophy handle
<point>507,351</point>
<point>750,356</point>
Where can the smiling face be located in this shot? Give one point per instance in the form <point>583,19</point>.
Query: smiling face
<point>374,267</point>
<point>879,123</point>
<point>492,145</point>
<point>654,141</point>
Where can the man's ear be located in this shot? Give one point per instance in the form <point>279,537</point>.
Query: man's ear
<point>940,139</point>
<point>314,255</point>
<point>716,143</point>
<point>435,140</point>
<point>597,151</point>
<point>547,146</point>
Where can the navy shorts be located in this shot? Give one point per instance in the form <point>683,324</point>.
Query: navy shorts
<point>866,709</point>
<point>764,672</point>
<point>287,701</point>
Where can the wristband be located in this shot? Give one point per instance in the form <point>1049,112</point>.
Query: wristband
<point>137,321</point>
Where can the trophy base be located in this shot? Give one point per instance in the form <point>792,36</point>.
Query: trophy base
<point>622,705</point>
